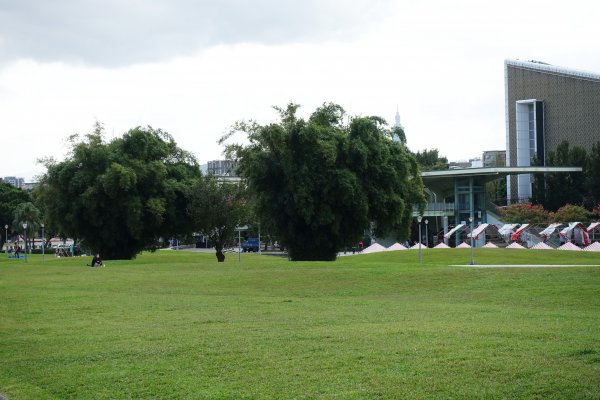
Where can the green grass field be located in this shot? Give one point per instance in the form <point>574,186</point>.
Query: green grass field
<point>177,325</point>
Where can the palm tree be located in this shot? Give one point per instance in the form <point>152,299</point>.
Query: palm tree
<point>27,213</point>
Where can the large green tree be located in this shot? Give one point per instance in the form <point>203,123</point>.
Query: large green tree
<point>430,160</point>
<point>119,197</point>
<point>592,176</point>
<point>10,198</point>
<point>495,191</point>
<point>554,190</point>
<point>324,181</point>
<point>216,207</point>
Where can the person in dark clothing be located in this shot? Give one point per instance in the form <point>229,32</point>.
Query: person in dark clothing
<point>96,261</point>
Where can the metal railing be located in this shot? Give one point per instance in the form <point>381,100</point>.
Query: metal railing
<point>436,209</point>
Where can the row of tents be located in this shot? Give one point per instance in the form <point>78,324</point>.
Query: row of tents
<point>528,235</point>
<point>556,235</point>
<point>376,247</point>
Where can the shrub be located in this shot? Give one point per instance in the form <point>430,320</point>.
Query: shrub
<point>572,213</point>
<point>525,212</point>
<point>596,212</point>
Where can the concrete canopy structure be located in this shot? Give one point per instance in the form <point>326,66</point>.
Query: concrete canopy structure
<point>453,183</point>
<point>546,105</point>
<point>459,194</point>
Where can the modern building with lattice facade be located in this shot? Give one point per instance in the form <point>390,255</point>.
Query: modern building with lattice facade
<point>221,168</point>
<point>494,158</point>
<point>545,105</point>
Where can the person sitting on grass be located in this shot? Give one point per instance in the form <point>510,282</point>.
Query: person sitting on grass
<point>96,261</point>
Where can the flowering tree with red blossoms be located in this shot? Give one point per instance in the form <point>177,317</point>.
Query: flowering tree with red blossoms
<point>525,213</point>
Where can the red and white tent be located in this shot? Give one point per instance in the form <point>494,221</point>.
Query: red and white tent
<point>452,231</point>
<point>594,231</point>
<point>478,230</point>
<point>546,233</point>
<point>374,248</point>
<point>484,228</point>
<point>507,229</point>
<point>576,232</point>
<point>593,247</point>
<point>396,246</point>
<point>515,236</point>
<point>593,226</point>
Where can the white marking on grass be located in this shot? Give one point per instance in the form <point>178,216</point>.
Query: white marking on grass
<point>526,265</point>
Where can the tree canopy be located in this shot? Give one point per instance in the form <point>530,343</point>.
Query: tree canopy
<point>216,208</point>
<point>10,198</point>
<point>553,190</point>
<point>592,175</point>
<point>119,197</point>
<point>430,160</point>
<point>26,213</point>
<point>323,181</point>
<point>536,214</point>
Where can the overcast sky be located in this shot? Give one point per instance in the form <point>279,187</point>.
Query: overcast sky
<point>193,68</point>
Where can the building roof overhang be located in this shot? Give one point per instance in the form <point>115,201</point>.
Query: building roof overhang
<point>553,69</point>
<point>496,171</point>
<point>444,180</point>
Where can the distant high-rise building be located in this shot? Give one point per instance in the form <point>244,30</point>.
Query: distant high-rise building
<point>397,124</point>
<point>221,168</point>
<point>476,162</point>
<point>13,180</point>
<point>546,105</point>
<point>494,158</point>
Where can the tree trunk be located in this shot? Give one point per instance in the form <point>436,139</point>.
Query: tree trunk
<point>219,252</point>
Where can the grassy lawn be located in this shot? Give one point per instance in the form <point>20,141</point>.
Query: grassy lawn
<point>176,325</point>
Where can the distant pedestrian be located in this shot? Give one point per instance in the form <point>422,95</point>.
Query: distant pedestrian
<point>96,261</point>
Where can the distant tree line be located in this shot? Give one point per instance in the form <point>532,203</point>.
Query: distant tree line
<point>554,190</point>
<point>563,197</point>
<point>431,160</point>
<point>536,214</point>
<point>16,208</point>
<point>317,184</point>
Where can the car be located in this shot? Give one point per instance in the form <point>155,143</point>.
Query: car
<point>252,244</point>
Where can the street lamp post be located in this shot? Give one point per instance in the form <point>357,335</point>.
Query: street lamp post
<point>259,250</point>
<point>43,241</point>
<point>6,237</point>
<point>25,238</point>
<point>419,219</point>
<point>471,223</point>
<point>427,233</point>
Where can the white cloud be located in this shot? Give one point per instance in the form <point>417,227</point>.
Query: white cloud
<point>117,33</point>
<point>441,63</point>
